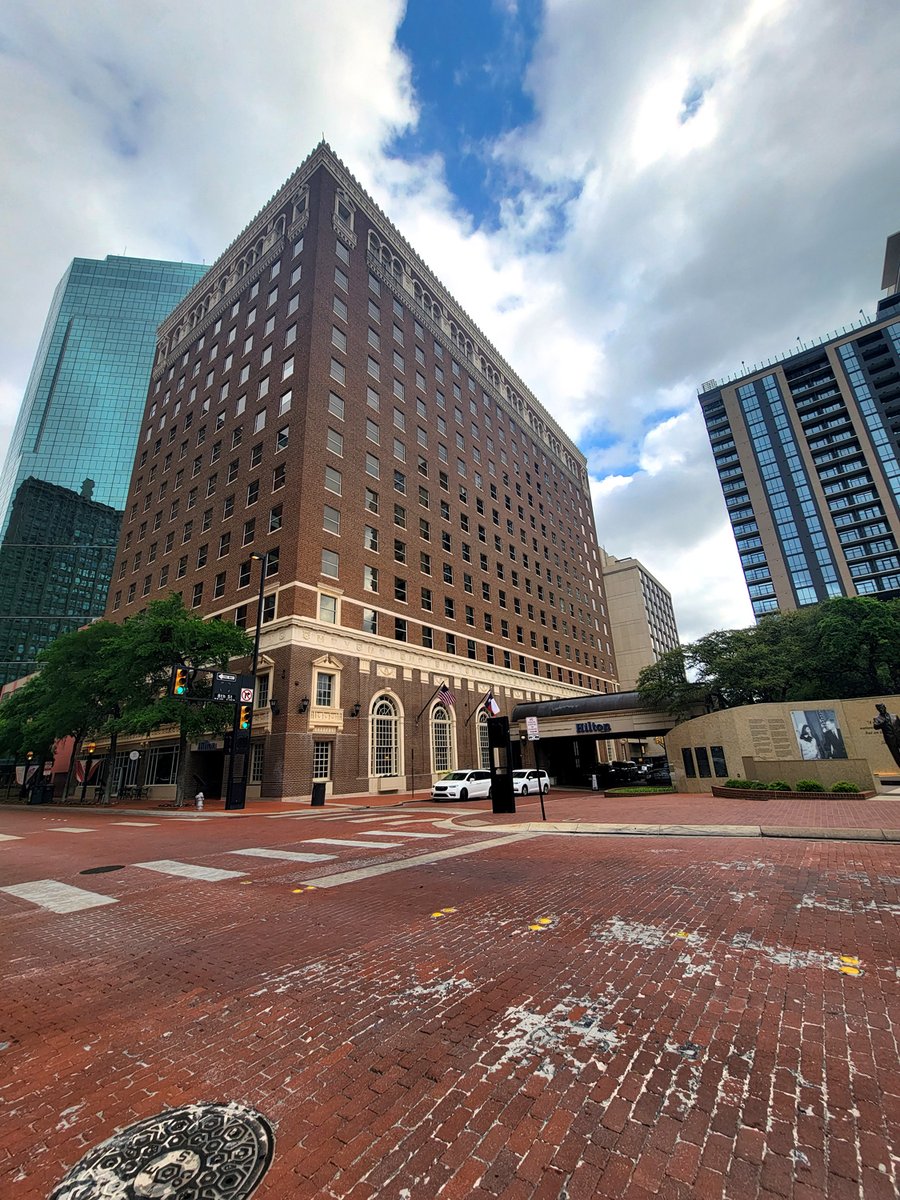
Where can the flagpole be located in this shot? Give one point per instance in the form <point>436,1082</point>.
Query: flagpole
<point>479,706</point>
<point>431,697</point>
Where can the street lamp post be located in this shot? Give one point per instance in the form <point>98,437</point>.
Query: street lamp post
<point>25,778</point>
<point>90,748</point>
<point>237,788</point>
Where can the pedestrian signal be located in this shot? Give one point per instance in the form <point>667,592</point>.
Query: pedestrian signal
<point>244,716</point>
<point>179,685</point>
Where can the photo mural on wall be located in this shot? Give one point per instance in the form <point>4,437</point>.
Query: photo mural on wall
<point>818,734</point>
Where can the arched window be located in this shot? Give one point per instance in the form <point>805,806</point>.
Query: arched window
<point>384,740</point>
<point>442,756</point>
<point>484,750</point>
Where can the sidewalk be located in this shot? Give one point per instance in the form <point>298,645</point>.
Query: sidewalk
<point>571,811</point>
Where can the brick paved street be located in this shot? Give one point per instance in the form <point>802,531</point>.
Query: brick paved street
<point>425,1008</point>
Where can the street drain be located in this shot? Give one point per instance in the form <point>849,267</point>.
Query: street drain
<point>100,870</point>
<point>217,1151</point>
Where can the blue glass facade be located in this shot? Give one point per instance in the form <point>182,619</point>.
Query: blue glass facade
<point>88,386</point>
<point>814,500</point>
<point>77,429</point>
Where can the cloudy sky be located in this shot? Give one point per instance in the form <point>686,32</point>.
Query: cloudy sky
<point>629,199</point>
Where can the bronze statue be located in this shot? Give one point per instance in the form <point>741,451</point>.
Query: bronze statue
<point>890,730</point>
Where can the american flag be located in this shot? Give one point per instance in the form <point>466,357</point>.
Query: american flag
<point>446,696</point>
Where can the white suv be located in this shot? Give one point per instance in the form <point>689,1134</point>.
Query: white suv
<point>526,780</point>
<point>462,785</point>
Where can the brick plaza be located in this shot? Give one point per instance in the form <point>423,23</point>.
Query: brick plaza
<point>446,1005</point>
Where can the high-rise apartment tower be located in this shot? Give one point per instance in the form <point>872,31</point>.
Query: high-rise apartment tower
<point>808,454</point>
<point>320,399</point>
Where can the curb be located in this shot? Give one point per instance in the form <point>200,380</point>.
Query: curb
<point>742,831</point>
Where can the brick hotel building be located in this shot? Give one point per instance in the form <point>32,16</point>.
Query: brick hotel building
<point>319,397</point>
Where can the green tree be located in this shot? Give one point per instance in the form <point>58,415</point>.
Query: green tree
<point>151,642</point>
<point>664,685</point>
<point>762,664</point>
<point>855,647</point>
<point>71,695</point>
<point>108,679</point>
<point>841,648</point>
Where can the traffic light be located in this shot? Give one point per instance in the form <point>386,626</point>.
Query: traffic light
<point>179,684</point>
<point>244,717</point>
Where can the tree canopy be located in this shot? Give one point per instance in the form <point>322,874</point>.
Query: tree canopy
<point>835,650</point>
<point>108,679</point>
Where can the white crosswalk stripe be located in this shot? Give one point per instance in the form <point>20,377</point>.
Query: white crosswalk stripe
<point>168,866</point>
<point>403,833</point>
<point>136,824</point>
<point>10,837</point>
<point>72,829</point>
<point>340,878</point>
<point>287,855</point>
<point>352,844</point>
<point>57,897</point>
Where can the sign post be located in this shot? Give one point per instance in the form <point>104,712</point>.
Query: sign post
<point>503,798</point>
<point>238,690</point>
<point>534,736</point>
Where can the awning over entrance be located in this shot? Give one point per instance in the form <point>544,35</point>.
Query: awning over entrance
<point>606,714</point>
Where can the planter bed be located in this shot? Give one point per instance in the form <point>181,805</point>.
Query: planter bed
<point>726,793</point>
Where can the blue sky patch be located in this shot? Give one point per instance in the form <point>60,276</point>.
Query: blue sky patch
<point>692,100</point>
<point>470,90</point>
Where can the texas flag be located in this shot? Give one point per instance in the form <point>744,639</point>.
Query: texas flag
<point>491,704</point>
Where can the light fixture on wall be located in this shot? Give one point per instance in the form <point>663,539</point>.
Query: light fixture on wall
<point>304,705</point>
<point>354,711</point>
<point>275,707</point>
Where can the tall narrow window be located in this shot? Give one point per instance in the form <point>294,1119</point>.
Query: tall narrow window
<point>441,740</point>
<point>484,751</point>
<point>384,738</point>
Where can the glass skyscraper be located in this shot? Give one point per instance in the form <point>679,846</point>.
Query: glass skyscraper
<point>77,430</point>
<point>808,455</point>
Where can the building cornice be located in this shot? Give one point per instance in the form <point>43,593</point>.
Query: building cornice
<point>225,279</point>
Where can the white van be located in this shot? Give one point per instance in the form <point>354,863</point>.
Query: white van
<point>525,782</point>
<point>463,785</point>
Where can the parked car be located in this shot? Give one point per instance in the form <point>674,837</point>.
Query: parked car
<point>659,773</point>
<point>462,785</point>
<point>525,781</point>
<point>612,774</point>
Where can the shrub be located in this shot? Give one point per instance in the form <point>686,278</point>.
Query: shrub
<point>844,785</point>
<point>809,785</point>
<point>735,782</point>
<point>779,785</point>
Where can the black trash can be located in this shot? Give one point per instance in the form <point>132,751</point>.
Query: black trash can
<point>41,793</point>
<point>318,795</point>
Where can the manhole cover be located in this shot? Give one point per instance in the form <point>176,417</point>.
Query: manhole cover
<point>100,870</point>
<point>199,1152</point>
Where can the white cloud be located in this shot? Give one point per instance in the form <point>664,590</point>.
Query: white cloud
<point>642,248</point>
<point>670,514</point>
<point>164,128</point>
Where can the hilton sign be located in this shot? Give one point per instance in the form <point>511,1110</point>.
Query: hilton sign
<point>593,727</point>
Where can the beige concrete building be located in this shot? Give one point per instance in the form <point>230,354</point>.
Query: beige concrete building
<point>825,740</point>
<point>641,616</point>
